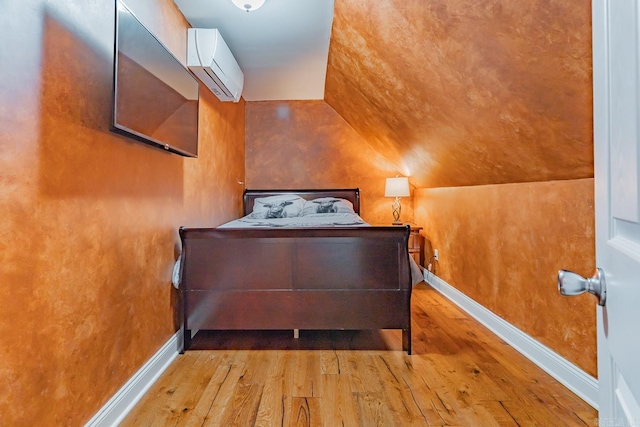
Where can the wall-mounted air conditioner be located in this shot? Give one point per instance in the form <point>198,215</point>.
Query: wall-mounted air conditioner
<point>210,59</point>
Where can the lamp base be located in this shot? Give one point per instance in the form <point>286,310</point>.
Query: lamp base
<point>396,207</point>
<point>397,223</point>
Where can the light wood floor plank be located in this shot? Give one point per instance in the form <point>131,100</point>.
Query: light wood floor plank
<point>223,397</point>
<point>188,390</point>
<point>242,409</point>
<point>338,405</point>
<point>157,397</point>
<point>397,393</point>
<point>202,410</point>
<point>363,373</point>
<point>329,362</point>
<point>459,375</point>
<point>372,409</point>
<point>305,412</point>
<point>271,412</point>
<point>306,374</point>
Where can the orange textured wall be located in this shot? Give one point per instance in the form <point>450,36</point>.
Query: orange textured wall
<point>306,144</point>
<point>467,92</point>
<point>503,245</point>
<point>89,219</point>
<point>470,93</point>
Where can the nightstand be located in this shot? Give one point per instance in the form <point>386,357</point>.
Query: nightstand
<point>416,244</point>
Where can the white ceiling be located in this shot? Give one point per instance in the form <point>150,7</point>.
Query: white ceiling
<point>282,48</point>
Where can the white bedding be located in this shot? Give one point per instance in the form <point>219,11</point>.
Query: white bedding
<point>314,220</point>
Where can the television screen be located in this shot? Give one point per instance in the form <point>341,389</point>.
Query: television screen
<point>155,98</point>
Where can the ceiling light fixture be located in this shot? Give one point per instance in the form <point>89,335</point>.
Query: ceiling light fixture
<point>248,5</point>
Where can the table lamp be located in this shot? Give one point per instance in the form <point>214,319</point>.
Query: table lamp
<point>397,187</point>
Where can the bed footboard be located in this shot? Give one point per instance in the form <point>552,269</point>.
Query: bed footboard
<point>334,278</point>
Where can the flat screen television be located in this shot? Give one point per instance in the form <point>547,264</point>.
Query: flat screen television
<point>155,98</point>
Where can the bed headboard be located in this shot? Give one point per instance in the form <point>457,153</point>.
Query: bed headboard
<point>351,194</point>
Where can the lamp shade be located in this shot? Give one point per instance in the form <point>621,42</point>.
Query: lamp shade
<point>248,5</point>
<point>397,187</point>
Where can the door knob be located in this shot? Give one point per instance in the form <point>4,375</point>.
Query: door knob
<point>570,283</point>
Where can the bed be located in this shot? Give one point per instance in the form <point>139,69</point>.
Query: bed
<point>253,275</point>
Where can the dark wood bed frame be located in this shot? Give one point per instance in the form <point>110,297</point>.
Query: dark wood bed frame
<point>296,278</point>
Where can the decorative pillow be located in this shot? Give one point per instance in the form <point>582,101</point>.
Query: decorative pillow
<point>278,206</point>
<point>327,205</point>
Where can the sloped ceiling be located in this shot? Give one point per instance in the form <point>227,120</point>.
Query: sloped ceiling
<point>467,92</point>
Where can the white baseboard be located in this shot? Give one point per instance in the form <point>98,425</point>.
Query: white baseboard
<point>572,377</point>
<point>126,398</point>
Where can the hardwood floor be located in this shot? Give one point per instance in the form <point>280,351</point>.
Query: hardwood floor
<point>459,375</point>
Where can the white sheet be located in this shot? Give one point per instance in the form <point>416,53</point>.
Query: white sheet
<point>315,220</point>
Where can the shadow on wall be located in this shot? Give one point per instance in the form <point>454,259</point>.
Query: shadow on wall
<point>92,244</point>
<point>79,156</point>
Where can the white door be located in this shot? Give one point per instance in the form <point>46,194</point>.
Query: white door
<point>616,80</point>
